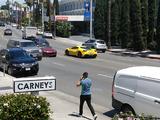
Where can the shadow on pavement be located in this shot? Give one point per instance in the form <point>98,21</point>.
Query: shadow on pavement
<point>111,113</point>
<point>6,88</point>
<point>76,115</point>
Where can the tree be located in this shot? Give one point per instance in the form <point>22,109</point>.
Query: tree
<point>56,5</point>
<point>115,23</point>
<point>151,22</point>
<point>136,27</point>
<point>158,29</point>
<point>144,14</point>
<point>124,24</point>
<point>29,3</point>
<point>100,20</point>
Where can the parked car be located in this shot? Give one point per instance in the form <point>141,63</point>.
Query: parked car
<point>136,89</point>
<point>17,61</point>
<point>2,24</point>
<point>39,32</point>
<point>99,45</point>
<point>7,31</point>
<point>14,25</point>
<point>47,50</point>
<point>81,51</point>
<point>47,34</point>
<point>27,45</point>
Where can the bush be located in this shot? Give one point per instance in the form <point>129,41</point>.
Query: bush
<point>130,116</point>
<point>63,29</point>
<point>23,107</point>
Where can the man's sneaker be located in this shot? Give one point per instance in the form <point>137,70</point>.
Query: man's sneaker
<point>95,117</point>
<point>77,114</point>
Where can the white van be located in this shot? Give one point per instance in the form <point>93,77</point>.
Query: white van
<point>29,31</point>
<point>137,89</point>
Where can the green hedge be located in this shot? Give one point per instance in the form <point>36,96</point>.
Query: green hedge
<point>63,29</point>
<point>130,116</point>
<point>23,107</point>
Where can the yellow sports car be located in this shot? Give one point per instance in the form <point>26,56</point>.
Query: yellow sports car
<point>81,51</point>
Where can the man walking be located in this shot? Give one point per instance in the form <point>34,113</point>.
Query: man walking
<point>85,84</point>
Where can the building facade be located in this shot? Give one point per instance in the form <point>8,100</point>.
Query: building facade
<point>77,7</point>
<point>71,7</point>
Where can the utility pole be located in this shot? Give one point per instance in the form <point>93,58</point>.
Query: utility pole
<point>109,24</point>
<point>54,12</point>
<point>49,12</point>
<point>91,18</point>
<point>42,17</point>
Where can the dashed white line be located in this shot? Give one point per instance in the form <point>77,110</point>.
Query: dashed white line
<point>58,64</point>
<point>105,76</point>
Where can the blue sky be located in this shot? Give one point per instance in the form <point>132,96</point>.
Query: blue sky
<point>3,2</point>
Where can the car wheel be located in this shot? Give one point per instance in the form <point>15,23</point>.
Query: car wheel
<point>79,54</point>
<point>94,56</point>
<point>67,52</point>
<point>103,51</point>
<point>10,71</point>
<point>127,109</point>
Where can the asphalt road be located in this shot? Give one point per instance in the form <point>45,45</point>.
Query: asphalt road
<point>68,69</point>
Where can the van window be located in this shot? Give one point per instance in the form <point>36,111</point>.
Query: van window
<point>148,87</point>
<point>128,82</point>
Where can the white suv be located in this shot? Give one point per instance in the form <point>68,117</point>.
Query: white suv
<point>99,45</point>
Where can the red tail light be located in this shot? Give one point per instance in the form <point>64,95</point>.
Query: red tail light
<point>113,92</point>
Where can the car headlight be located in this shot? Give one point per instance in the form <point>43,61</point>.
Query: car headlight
<point>40,50</point>
<point>16,65</point>
<point>35,63</point>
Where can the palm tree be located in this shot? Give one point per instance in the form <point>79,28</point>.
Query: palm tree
<point>29,3</point>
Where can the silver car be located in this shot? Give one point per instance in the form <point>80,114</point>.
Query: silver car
<point>99,45</point>
<point>28,46</point>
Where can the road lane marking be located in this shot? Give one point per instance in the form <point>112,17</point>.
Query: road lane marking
<point>105,76</point>
<point>58,64</point>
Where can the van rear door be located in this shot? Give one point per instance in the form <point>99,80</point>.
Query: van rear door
<point>125,87</point>
<point>148,97</point>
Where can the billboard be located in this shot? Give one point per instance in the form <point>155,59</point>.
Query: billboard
<point>87,13</point>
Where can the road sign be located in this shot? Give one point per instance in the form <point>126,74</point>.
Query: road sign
<point>34,84</point>
<point>87,10</point>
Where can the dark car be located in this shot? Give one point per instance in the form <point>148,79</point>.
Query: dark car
<point>47,50</point>
<point>18,61</point>
<point>7,31</point>
<point>2,24</point>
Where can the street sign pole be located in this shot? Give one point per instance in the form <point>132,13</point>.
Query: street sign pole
<point>91,19</point>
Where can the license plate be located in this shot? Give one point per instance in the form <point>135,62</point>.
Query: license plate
<point>27,69</point>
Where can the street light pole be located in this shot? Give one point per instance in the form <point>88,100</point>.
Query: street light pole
<point>109,24</point>
<point>91,18</point>
<point>42,17</point>
<point>54,20</point>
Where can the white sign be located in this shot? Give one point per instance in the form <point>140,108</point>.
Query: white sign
<point>34,84</point>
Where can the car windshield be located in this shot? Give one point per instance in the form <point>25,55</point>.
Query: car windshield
<point>85,48</point>
<point>45,44</point>
<point>7,29</point>
<point>28,44</point>
<point>18,54</point>
<point>100,41</point>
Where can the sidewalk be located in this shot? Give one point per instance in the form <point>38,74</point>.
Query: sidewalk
<point>144,54</point>
<point>64,106</point>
